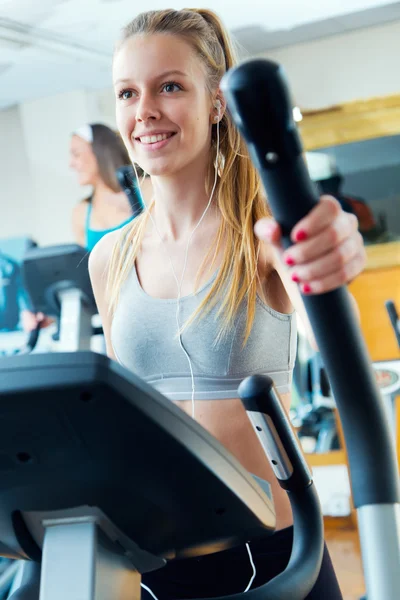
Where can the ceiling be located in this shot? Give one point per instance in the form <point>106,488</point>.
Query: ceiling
<point>53,46</point>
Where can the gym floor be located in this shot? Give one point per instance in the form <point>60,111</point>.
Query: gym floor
<point>344,548</point>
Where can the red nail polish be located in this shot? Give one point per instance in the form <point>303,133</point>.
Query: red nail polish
<point>301,236</point>
<point>306,288</point>
<point>295,278</point>
<point>289,261</point>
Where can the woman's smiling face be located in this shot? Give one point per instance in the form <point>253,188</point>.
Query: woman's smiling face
<point>163,105</point>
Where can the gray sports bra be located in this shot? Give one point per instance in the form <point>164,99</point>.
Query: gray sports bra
<point>144,340</point>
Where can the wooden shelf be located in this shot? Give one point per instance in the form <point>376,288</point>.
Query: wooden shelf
<point>379,282</point>
<point>383,256</point>
<point>350,122</point>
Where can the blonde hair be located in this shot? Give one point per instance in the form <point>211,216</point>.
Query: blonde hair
<point>237,194</point>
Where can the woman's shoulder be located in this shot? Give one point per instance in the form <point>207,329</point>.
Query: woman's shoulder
<point>102,252</point>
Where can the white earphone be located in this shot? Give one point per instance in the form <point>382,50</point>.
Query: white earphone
<point>179,281</point>
<point>218,106</point>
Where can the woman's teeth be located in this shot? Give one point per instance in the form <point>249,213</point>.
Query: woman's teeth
<point>151,139</point>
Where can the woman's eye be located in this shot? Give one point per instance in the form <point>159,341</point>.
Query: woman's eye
<point>171,87</point>
<point>125,94</point>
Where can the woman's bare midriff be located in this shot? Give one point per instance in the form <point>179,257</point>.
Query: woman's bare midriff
<point>227,421</point>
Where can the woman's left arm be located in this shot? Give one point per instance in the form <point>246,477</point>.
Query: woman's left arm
<point>327,252</point>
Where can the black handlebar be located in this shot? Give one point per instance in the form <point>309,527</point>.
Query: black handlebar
<point>298,579</point>
<point>394,319</point>
<point>267,415</point>
<point>265,411</point>
<point>127,180</point>
<point>32,341</point>
<point>259,102</point>
<point>275,434</point>
<point>33,338</point>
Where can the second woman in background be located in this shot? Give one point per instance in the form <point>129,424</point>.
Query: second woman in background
<point>96,153</point>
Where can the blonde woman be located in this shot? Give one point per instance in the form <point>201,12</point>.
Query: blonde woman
<point>191,299</point>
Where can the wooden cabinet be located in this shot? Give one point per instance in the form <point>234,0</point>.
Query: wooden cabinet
<point>379,282</point>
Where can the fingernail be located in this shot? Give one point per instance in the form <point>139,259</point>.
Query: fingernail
<point>289,261</point>
<point>306,288</point>
<point>301,235</point>
<point>295,278</point>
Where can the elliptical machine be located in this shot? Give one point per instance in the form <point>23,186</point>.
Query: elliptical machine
<point>58,283</point>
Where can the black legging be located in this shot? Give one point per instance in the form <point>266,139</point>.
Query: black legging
<point>230,571</point>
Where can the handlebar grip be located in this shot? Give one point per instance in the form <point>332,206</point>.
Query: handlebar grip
<point>265,411</point>
<point>259,101</point>
<point>33,338</point>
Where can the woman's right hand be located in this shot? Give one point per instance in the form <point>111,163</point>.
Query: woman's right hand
<point>31,320</point>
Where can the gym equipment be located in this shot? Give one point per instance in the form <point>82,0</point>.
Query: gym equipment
<point>28,347</point>
<point>57,280</point>
<point>32,341</point>
<point>387,373</point>
<point>394,319</point>
<point>95,482</point>
<point>13,297</point>
<point>259,102</point>
<point>127,180</point>
<point>314,417</point>
<point>9,290</point>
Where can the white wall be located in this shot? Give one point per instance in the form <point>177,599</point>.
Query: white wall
<point>341,68</point>
<point>102,104</point>
<point>37,188</point>
<point>47,124</point>
<point>17,203</point>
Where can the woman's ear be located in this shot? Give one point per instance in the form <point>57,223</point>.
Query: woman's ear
<point>219,107</point>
